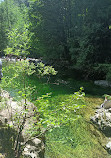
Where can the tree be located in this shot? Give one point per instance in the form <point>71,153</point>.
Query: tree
<point>18,42</point>
<point>50,30</point>
<point>19,71</point>
<point>11,17</point>
<point>3,25</point>
<point>46,116</point>
<point>76,31</point>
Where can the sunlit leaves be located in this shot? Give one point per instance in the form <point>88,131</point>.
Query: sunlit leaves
<point>53,115</point>
<point>18,42</point>
<point>45,70</point>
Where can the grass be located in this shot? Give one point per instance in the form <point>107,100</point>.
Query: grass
<point>79,139</point>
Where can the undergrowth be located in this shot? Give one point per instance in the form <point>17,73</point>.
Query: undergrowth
<point>80,138</point>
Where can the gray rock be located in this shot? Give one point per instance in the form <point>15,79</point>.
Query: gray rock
<point>30,151</point>
<point>35,147</point>
<point>2,155</point>
<point>108,146</point>
<point>102,83</point>
<point>109,110</point>
<point>106,104</point>
<point>102,119</point>
<point>36,142</point>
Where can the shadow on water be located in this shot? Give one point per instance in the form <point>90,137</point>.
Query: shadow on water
<point>7,136</point>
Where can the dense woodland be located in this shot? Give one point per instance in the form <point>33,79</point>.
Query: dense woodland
<point>72,35</point>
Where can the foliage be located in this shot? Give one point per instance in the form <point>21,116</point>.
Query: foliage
<point>45,71</point>
<point>103,70</point>
<point>52,115</point>
<point>11,17</point>
<point>75,31</point>
<point>48,116</point>
<point>75,136</point>
<point>80,138</point>
<point>66,30</point>
<point>61,31</point>
<point>108,75</point>
<point>16,78</point>
<point>18,42</point>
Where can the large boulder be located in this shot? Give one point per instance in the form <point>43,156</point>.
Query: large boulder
<point>102,119</point>
<point>11,109</point>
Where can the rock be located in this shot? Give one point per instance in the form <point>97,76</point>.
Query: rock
<point>2,155</point>
<point>106,104</point>
<point>109,110</point>
<point>34,148</point>
<point>30,151</point>
<point>102,83</point>
<point>102,119</point>
<point>36,142</point>
<point>108,147</point>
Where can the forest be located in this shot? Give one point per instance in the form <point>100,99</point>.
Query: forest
<point>72,35</point>
<point>60,48</point>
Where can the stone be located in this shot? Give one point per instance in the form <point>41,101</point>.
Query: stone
<point>35,147</point>
<point>106,104</point>
<point>108,147</point>
<point>36,142</point>
<point>109,110</point>
<point>102,119</point>
<point>2,155</point>
<point>102,83</point>
<point>30,151</point>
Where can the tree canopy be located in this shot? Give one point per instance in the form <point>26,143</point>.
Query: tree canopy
<point>75,33</point>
